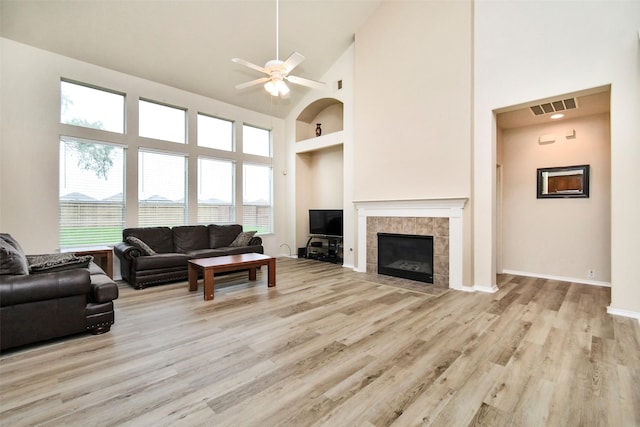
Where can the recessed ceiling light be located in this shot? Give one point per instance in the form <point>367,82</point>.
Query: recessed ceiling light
<point>557,116</point>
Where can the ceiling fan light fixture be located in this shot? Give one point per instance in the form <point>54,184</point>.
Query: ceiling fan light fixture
<point>270,86</point>
<point>276,87</point>
<point>282,87</point>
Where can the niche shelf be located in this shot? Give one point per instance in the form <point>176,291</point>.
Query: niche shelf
<point>329,112</point>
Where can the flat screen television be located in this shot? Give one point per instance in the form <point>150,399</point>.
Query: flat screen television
<point>327,222</point>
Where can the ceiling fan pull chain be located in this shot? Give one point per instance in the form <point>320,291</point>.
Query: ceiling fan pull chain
<point>277,30</point>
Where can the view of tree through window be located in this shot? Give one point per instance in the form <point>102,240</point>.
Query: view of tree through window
<point>92,108</point>
<point>92,173</point>
<point>91,193</point>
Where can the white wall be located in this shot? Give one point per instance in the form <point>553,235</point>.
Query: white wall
<point>413,86</point>
<point>559,238</point>
<point>530,50</point>
<point>29,143</point>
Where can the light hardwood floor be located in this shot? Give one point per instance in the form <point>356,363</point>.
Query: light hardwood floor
<point>332,347</point>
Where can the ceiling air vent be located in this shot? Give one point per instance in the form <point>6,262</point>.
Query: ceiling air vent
<point>554,106</point>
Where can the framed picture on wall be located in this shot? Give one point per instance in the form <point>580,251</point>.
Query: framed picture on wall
<point>563,182</point>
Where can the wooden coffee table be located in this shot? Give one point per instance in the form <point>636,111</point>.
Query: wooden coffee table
<point>210,266</point>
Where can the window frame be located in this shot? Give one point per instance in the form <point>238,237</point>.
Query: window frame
<point>234,185</point>
<point>210,116</point>
<point>271,195</point>
<point>269,142</point>
<point>97,88</point>
<point>141,203</point>
<point>185,130</point>
<point>99,204</point>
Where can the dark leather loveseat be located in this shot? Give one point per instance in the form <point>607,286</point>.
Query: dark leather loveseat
<point>60,296</point>
<point>155,255</point>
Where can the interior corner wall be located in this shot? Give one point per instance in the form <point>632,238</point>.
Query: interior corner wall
<point>592,44</point>
<point>30,130</point>
<point>561,238</point>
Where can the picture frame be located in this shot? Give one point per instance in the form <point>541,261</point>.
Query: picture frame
<point>564,182</point>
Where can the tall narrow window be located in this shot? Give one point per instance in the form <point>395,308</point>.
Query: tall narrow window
<point>215,133</point>
<point>91,108</point>
<point>160,121</point>
<point>91,197</point>
<point>215,191</point>
<point>256,141</point>
<point>161,189</point>
<point>257,201</point>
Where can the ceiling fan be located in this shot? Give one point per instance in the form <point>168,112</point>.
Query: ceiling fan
<point>277,71</point>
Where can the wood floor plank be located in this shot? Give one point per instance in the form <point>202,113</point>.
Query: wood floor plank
<point>332,347</point>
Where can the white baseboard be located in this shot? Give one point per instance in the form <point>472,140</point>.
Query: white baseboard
<point>490,289</point>
<point>625,313</point>
<point>560,278</point>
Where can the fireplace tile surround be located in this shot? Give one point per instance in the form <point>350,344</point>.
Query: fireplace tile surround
<point>436,227</point>
<point>440,218</point>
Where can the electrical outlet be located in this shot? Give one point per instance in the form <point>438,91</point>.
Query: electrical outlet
<point>591,273</point>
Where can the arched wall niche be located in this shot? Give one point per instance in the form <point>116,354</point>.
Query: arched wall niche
<point>329,112</point>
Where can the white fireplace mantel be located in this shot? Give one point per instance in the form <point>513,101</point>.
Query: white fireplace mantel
<point>435,208</point>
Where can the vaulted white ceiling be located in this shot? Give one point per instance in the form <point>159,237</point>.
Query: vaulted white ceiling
<point>189,44</point>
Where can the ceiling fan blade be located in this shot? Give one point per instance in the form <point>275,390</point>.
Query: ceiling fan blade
<point>253,82</point>
<point>250,65</point>
<point>305,82</point>
<point>292,62</point>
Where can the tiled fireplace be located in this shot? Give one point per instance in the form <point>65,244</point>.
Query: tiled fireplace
<point>440,218</point>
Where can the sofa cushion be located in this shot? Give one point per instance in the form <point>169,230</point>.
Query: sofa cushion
<point>206,253</point>
<point>161,261</point>
<point>222,235</point>
<point>160,239</point>
<point>188,238</point>
<point>242,239</point>
<point>138,243</point>
<point>243,250</point>
<point>57,262</point>
<point>12,260</point>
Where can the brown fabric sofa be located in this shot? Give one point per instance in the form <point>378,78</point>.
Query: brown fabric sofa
<point>68,295</point>
<point>156,255</point>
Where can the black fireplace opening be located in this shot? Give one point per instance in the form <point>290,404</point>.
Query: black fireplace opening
<point>406,255</point>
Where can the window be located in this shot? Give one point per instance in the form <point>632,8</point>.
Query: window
<point>161,189</point>
<point>162,122</point>
<point>91,108</point>
<point>91,197</point>
<point>215,133</point>
<point>257,206</point>
<point>256,141</point>
<point>215,191</point>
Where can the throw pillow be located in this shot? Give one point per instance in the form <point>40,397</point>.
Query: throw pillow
<point>8,238</point>
<point>12,260</point>
<point>48,263</point>
<point>146,249</point>
<point>242,239</point>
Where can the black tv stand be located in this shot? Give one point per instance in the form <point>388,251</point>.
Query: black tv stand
<point>324,248</point>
